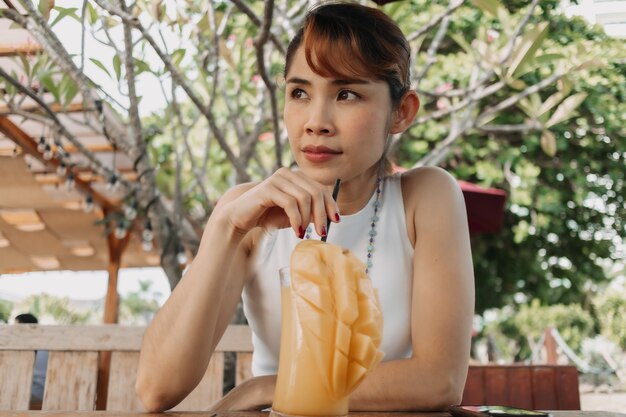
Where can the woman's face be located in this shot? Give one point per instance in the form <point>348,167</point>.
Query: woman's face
<point>337,127</point>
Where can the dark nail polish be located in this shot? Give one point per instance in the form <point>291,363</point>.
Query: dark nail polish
<point>337,218</point>
<point>323,230</point>
<point>300,232</point>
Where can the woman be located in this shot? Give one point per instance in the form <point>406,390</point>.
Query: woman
<point>347,92</point>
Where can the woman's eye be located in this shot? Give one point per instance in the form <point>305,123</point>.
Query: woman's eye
<point>347,95</point>
<point>298,93</point>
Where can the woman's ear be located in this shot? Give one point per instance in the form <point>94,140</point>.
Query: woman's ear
<point>405,113</point>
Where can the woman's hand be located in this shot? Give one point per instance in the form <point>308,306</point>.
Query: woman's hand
<point>253,394</point>
<point>285,199</point>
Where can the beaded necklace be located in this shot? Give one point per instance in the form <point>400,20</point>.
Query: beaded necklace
<point>372,233</point>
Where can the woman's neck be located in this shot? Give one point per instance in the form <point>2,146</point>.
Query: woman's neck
<point>355,193</point>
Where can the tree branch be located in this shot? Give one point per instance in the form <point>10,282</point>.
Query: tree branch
<point>182,82</point>
<point>518,30</point>
<point>432,49</point>
<point>95,164</point>
<point>510,101</point>
<point>257,22</point>
<point>435,20</point>
<point>492,89</point>
<point>259,44</point>
<point>524,127</point>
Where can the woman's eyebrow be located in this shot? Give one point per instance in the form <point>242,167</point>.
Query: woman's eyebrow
<point>350,81</point>
<point>296,80</point>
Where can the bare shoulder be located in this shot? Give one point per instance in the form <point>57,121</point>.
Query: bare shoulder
<point>432,197</point>
<point>429,185</point>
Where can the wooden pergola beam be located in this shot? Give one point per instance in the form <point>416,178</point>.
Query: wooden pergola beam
<point>20,49</point>
<point>29,146</point>
<point>55,107</point>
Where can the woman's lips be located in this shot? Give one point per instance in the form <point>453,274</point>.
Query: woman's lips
<point>319,153</point>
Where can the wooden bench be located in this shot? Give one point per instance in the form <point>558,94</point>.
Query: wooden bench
<point>539,387</point>
<point>80,375</point>
<point>79,368</point>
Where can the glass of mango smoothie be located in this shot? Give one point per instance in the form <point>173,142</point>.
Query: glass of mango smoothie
<point>331,331</point>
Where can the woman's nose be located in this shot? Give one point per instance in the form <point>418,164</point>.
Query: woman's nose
<point>320,121</point>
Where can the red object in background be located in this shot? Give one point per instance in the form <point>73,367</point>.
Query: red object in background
<point>485,207</point>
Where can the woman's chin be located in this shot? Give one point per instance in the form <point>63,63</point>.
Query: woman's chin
<point>324,177</point>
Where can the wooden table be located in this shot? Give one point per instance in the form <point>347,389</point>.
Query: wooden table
<point>263,414</point>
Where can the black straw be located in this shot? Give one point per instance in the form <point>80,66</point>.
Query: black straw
<point>335,194</point>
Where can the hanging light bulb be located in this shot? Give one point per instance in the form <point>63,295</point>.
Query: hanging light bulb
<point>112,183</point>
<point>70,181</point>
<point>120,231</point>
<point>61,169</point>
<point>41,145</point>
<point>47,152</point>
<point>181,257</point>
<point>88,206</point>
<point>147,234</point>
<point>146,245</point>
<point>130,211</point>
<point>60,150</point>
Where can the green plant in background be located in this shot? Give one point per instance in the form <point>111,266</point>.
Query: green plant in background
<point>5,310</point>
<point>49,308</point>
<point>517,331</point>
<point>610,307</point>
<point>138,307</point>
<point>514,95</point>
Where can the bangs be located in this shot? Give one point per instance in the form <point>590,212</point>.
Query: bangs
<point>335,52</point>
<point>348,41</point>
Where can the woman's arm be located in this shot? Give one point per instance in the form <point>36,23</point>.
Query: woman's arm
<point>180,340</point>
<point>442,303</point>
<point>441,316</point>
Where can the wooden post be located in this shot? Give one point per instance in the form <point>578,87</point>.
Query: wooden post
<point>550,345</point>
<point>111,311</point>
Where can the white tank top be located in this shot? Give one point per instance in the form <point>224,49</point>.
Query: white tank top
<point>391,274</point>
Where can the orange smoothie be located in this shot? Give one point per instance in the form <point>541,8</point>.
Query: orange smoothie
<point>331,331</point>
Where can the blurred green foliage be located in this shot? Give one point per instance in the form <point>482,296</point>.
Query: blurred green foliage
<point>611,309</point>
<point>517,331</point>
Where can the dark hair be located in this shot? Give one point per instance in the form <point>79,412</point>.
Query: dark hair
<point>347,40</point>
<point>26,318</point>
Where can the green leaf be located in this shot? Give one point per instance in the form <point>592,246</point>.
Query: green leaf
<point>70,92</point>
<point>526,106</point>
<point>93,14</point>
<point>101,65</point>
<point>460,40</point>
<point>566,109</point>
<point>70,11</point>
<point>565,85</point>
<point>489,6</point>
<point>142,66</point>
<point>517,84</point>
<point>535,63</point>
<point>49,84</point>
<point>177,56</point>
<point>203,23</point>
<point>25,65</point>
<point>117,66</point>
<point>550,103</point>
<point>548,143</point>
<point>44,8</point>
<point>525,50</point>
